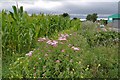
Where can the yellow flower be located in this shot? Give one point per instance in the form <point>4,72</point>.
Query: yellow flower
<point>81,76</point>
<point>99,65</point>
<point>73,69</point>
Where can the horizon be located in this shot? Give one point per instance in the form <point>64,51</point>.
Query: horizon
<point>77,8</point>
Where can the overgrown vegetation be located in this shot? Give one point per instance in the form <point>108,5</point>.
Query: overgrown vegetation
<point>53,46</point>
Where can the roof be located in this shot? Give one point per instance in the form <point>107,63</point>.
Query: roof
<point>114,16</point>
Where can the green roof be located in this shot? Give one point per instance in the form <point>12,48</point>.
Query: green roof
<point>114,16</point>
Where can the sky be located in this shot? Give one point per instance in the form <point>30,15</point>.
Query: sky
<point>76,8</point>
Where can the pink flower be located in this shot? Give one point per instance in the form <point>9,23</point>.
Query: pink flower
<point>58,61</point>
<point>53,43</point>
<point>62,35</point>
<point>66,35</point>
<point>49,42</point>
<point>62,38</point>
<point>75,48</point>
<point>41,39</point>
<point>63,50</point>
<point>29,54</point>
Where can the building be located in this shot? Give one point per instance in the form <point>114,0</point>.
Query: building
<point>102,19</point>
<point>114,21</point>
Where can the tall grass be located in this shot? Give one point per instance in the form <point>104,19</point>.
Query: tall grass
<point>20,31</point>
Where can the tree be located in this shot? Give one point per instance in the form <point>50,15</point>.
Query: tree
<point>65,15</point>
<point>89,17</point>
<point>75,18</point>
<point>92,17</point>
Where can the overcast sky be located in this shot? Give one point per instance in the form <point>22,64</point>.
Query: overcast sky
<point>76,8</point>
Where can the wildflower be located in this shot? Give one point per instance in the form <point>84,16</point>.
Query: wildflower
<point>79,62</point>
<point>41,39</point>
<point>61,43</point>
<point>18,59</point>
<point>63,50</point>
<point>81,76</point>
<point>53,43</point>
<point>73,69</point>
<point>48,42</point>
<point>66,35</point>
<point>34,74</point>
<point>104,29</point>
<point>29,54</point>
<point>86,69</point>
<point>46,55</point>
<point>43,74</point>
<point>69,45</point>
<point>57,61</point>
<point>71,60</point>
<point>88,65</point>
<point>70,34</point>
<point>75,48</point>
<point>99,65</point>
<point>44,66</point>
<point>67,55</point>
<point>49,50</point>
<point>62,38</point>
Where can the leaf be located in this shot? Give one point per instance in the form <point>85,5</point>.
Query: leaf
<point>12,15</point>
<point>15,12</point>
<point>21,11</point>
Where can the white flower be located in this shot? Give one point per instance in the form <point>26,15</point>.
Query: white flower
<point>75,48</point>
<point>41,39</point>
<point>70,34</point>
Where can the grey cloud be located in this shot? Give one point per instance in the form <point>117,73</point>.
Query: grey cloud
<point>93,7</point>
<point>98,7</point>
<point>73,9</point>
